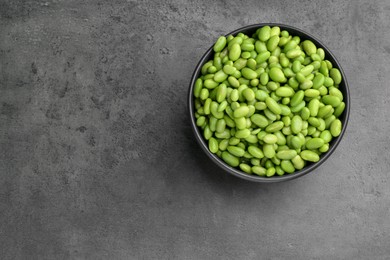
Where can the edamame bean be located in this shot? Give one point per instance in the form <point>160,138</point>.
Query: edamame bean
<point>221,125</point>
<point>309,47</point>
<point>198,87</point>
<point>259,120</point>
<point>314,143</point>
<point>235,52</point>
<point>324,148</point>
<point>287,166</point>
<point>291,54</point>
<point>298,107</point>
<point>240,123</point>
<point>220,44</point>
<point>336,92</point>
<point>277,75</point>
<point>273,105</point>
<point>310,156</point>
<point>313,106</point>
<point>210,83</point>
<point>262,57</point>
<point>268,150</point>
<point>255,151</point>
<point>297,98</point>
<point>221,93</point>
<point>296,142</point>
<point>335,128</point>
<point>261,171</point>
<point>296,124</point>
<point>241,111</point>
<point>307,70</point>
<point>270,138</point>
<point>323,111</point>
<point>272,43</point>
<point>331,100</point>
<point>286,154</point>
<point>326,136</point>
<point>245,168</point>
<point>230,159</point>
<point>285,92</point>
<point>219,77</point>
<point>312,93</point>
<point>264,33</point>
<point>274,127</point>
<point>242,134</point>
<point>236,151</point>
<point>335,75</point>
<point>270,172</point>
<point>339,110</point>
<point>213,145</point>
<point>298,162</point>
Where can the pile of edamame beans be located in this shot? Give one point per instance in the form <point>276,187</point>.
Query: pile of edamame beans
<point>268,104</point>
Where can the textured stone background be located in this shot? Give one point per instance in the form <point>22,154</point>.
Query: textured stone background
<point>97,158</point>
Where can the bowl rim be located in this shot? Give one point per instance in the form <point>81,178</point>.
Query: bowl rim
<point>255,178</point>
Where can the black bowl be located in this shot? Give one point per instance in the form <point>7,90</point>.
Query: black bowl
<point>249,30</point>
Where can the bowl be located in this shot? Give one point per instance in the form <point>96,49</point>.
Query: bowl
<point>310,167</point>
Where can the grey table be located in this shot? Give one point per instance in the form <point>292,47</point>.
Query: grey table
<point>98,160</point>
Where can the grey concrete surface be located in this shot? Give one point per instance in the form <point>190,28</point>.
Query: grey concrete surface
<point>98,161</point>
